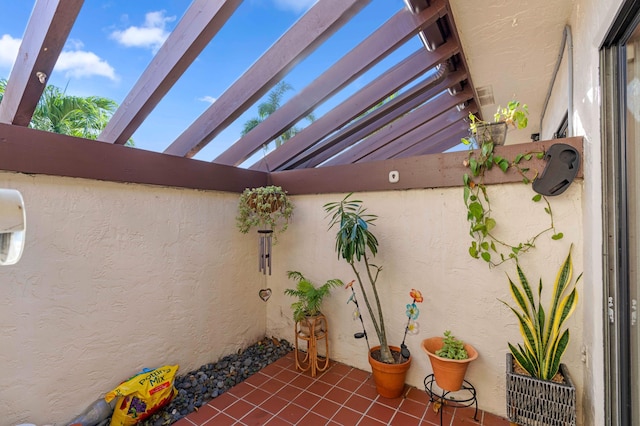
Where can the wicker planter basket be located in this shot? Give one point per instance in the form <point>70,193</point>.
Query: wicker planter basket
<point>535,402</point>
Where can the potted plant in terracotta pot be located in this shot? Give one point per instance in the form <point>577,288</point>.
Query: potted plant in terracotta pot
<point>269,209</point>
<point>539,389</point>
<point>449,359</point>
<point>357,245</point>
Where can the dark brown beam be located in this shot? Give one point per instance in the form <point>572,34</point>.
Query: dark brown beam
<point>393,33</point>
<point>44,38</point>
<point>433,123</point>
<point>379,118</point>
<point>426,171</point>
<point>439,142</point>
<point>35,152</point>
<point>373,93</point>
<point>447,114</point>
<point>198,26</point>
<point>410,126</point>
<point>311,30</point>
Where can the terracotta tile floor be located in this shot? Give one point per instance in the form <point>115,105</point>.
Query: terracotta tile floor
<point>342,395</point>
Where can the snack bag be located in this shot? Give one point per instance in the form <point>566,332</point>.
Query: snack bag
<point>140,396</point>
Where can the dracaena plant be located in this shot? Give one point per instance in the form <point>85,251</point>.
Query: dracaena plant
<point>485,244</point>
<point>545,340</point>
<point>357,245</point>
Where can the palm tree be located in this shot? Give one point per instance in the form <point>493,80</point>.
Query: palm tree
<point>78,116</point>
<point>265,109</point>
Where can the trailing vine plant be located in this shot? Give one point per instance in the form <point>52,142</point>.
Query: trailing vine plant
<point>485,244</point>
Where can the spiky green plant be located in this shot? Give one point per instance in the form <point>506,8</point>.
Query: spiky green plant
<point>309,296</point>
<point>356,244</point>
<point>544,340</point>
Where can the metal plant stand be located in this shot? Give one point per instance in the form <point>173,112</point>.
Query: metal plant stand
<point>317,330</point>
<point>443,397</point>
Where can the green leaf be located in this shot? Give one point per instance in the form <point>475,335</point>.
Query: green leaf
<point>476,210</point>
<point>540,155</point>
<point>486,256</point>
<point>557,236</point>
<point>537,198</point>
<point>528,157</point>
<point>490,223</point>
<point>504,165</point>
<point>518,158</point>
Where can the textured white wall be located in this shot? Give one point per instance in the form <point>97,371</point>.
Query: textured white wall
<point>114,278</point>
<point>590,21</point>
<point>423,237</point>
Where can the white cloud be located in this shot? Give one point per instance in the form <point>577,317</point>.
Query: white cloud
<point>74,63</point>
<point>295,5</point>
<point>209,99</point>
<point>150,35</point>
<point>79,63</point>
<point>8,50</point>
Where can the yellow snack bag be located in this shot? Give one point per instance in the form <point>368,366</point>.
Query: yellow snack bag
<point>143,394</point>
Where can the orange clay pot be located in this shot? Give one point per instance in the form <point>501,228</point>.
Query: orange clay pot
<point>449,373</point>
<point>389,378</point>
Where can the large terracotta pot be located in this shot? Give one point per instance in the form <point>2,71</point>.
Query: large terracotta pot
<point>449,373</point>
<point>389,378</point>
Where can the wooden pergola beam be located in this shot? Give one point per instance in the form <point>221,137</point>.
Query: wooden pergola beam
<point>444,118</point>
<point>439,142</point>
<point>409,127</point>
<point>33,151</point>
<point>392,34</point>
<point>376,91</point>
<point>198,26</point>
<point>313,28</point>
<point>44,38</point>
<point>375,120</point>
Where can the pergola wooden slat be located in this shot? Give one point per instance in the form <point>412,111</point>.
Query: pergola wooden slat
<point>410,126</point>
<point>360,102</point>
<point>45,36</point>
<point>375,120</point>
<point>419,120</point>
<point>392,34</point>
<point>315,26</point>
<point>198,26</point>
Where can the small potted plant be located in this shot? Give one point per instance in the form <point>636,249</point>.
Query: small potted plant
<point>309,296</point>
<point>311,326</point>
<point>357,245</point>
<point>449,359</point>
<point>539,389</point>
<point>268,208</point>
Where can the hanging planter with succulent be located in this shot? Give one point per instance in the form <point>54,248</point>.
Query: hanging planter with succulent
<point>269,209</point>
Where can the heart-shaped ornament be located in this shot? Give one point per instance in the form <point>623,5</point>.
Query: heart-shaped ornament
<point>265,294</point>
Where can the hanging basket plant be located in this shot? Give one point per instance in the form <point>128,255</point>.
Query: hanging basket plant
<point>265,207</point>
<point>269,209</point>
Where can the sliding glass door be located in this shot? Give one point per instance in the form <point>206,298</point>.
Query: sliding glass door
<point>621,191</point>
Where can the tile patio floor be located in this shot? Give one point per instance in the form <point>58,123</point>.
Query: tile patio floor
<point>279,395</point>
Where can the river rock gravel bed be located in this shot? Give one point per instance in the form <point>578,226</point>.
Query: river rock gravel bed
<point>196,388</point>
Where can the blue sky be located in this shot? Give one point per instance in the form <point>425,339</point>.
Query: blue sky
<point>113,41</point>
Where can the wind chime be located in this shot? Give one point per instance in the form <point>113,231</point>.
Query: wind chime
<point>264,248</point>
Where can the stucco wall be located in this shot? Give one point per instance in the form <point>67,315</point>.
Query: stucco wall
<point>590,22</point>
<point>115,278</point>
<point>423,237</point>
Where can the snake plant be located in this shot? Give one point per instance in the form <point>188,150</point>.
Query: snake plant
<point>545,341</point>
